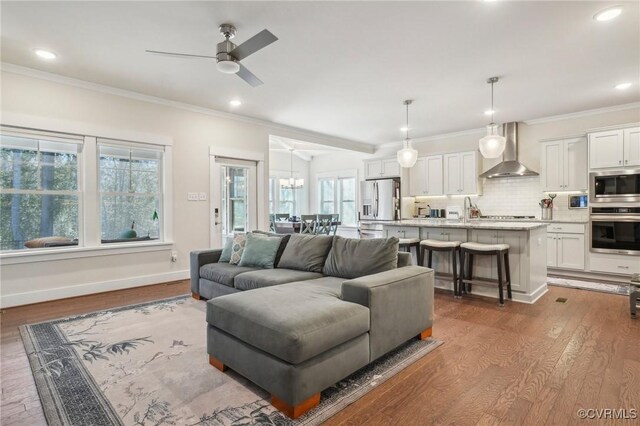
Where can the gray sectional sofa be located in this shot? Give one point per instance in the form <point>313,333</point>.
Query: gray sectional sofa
<point>299,331</point>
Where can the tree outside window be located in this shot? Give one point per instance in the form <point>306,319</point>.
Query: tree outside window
<point>39,194</point>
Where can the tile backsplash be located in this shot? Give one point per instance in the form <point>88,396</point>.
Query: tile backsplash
<point>506,196</point>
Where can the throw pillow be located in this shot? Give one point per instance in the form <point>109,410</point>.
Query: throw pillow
<point>260,251</point>
<point>40,242</point>
<point>225,256</point>
<point>352,258</point>
<point>237,248</point>
<point>284,239</point>
<point>306,252</point>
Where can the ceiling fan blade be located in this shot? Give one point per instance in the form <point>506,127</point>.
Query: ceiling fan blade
<point>255,43</point>
<point>179,55</point>
<point>248,76</point>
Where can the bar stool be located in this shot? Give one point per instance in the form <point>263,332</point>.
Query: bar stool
<point>469,250</point>
<point>406,244</point>
<point>447,246</point>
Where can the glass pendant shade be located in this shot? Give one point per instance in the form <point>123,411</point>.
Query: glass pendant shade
<point>407,156</point>
<point>492,145</point>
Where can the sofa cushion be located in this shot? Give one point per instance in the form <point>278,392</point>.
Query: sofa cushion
<point>268,277</point>
<point>353,258</point>
<point>225,256</point>
<point>239,241</point>
<point>293,322</point>
<point>260,251</point>
<point>223,273</point>
<point>283,243</point>
<point>306,252</point>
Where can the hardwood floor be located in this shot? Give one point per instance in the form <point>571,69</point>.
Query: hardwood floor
<point>523,364</point>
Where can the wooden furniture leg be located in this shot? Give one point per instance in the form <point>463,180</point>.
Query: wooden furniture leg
<point>295,411</point>
<point>426,334</point>
<point>196,296</point>
<point>217,363</point>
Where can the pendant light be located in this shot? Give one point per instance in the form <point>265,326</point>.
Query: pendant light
<point>291,183</point>
<point>492,145</point>
<point>407,156</point>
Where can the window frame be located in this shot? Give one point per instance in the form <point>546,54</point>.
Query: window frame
<point>274,180</point>
<point>89,244</point>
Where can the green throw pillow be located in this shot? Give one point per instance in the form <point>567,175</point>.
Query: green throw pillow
<point>225,256</point>
<point>260,251</point>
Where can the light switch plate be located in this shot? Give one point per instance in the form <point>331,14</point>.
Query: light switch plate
<point>192,196</point>
<point>202,196</point>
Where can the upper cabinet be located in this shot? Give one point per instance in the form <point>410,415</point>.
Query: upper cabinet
<point>563,164</point>
<point>425,178</point>
<point>461,173</point>
<point>614,148</point>
<point>379,169</point>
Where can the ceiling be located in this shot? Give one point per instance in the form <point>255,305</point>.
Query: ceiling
<point>301,149</point>
<point>344,68</point>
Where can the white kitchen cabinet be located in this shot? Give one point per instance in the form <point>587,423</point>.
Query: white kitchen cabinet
<point>379,169</point>
<point>606,149</point>
<point>425,178</point>
<point>566,246</point>
<point>632,146</point>
<point>564,165</point>
<point>461,173</point>
<point>614,263</point>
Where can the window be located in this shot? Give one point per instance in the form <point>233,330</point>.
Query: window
<point>130,180</point>
<point>282,200</point>
<point>39,189</point>
<point>337,195</point>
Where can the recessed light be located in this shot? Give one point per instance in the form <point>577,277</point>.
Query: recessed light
<point>608,14</point>
<point>235,103</point>
<point>404,129</point>
<point>489,112</point>
<point>623,86</point>
<point>45,54</point>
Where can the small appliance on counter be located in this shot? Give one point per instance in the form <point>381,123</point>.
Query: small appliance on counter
<point>578,201</point>
<point>454,213</point>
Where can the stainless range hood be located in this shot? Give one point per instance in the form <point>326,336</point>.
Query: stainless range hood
<point>510,166</point>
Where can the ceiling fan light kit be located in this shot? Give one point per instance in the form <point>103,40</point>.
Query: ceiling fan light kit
<point>492,145</point>
<point>229,55</point>
<point>407,156</point>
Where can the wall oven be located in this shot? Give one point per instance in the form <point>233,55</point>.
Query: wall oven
<point>615,230</point>
<point>614,186</point>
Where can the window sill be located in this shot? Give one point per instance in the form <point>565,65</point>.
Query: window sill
<point>66,253</point>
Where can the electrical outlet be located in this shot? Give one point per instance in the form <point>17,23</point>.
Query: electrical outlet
<point>192,196</point>
<point>202,196</point>
<point>174,256</point>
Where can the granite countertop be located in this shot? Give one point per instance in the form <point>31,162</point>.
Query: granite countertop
<point>473,224</point>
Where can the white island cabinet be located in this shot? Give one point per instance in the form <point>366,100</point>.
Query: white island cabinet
<point>527,251</point>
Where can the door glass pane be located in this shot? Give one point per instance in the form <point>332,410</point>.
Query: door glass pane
<point>234,199</point>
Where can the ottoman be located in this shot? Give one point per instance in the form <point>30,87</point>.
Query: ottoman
<point>293,340</point>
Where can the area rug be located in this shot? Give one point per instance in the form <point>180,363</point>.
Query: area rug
<point>147,364</point>
<point>621,289</point>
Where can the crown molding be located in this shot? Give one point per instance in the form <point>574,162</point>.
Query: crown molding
<point>586,113</point>
<point>102,88</point>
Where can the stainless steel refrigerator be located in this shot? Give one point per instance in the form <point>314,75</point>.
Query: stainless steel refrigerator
<point>380,199</point>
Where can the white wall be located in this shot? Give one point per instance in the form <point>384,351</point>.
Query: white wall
<point>42,101</point>
<point>280,165</point>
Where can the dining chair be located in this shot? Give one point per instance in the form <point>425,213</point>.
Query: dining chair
<point>272,222</point>
<point>334,224</point>
<point>308,224</point>
<point>324,224</point>
<point>282,216</point>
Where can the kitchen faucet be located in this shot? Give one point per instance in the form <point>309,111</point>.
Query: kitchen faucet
<point>467,210</point>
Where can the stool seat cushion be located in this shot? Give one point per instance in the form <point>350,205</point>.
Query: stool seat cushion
<point>409,241</point>
<point>484,247</point>
<point>439,244</point>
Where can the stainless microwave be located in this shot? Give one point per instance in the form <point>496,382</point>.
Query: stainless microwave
<point>614,186</point>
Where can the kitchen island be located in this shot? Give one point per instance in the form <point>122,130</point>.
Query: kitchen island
<point>527,250</point>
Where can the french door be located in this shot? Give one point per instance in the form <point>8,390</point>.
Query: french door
<point>233,198</point>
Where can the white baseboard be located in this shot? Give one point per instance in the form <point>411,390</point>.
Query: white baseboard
<point>493,293</point>
<point>27,298</point>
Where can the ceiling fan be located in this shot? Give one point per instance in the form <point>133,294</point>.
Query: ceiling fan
<point>229,55</point>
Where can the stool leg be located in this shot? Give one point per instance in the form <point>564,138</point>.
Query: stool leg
<point>469,286</point>
<point>508,273</point>
<point>463,259</point>
<point>417,247</point>
<point>422,250</point>
<point>430,262</point>
<point>455,273</point>
<point>500,285</point>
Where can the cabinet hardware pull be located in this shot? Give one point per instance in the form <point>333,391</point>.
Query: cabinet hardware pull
<point>623,267</point>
